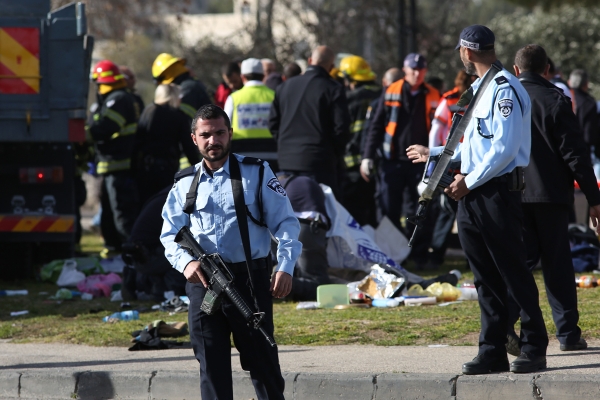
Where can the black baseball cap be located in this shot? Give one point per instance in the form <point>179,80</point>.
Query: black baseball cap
<point>476,37</point>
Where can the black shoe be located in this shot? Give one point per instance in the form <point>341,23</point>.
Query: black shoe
<point>483,364</point>
<point>580,345</point>
<point>527,362</point>
<point>512,344</point>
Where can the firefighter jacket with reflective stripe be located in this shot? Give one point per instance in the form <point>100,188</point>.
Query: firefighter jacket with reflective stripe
<point>398,115</point>
<point>112,129</point>
<point>251,106</point>
<point>359,101</point>
<point>193,94</point>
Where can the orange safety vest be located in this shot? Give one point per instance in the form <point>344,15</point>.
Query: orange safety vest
<point>452,98</point>
<point>393,102</point>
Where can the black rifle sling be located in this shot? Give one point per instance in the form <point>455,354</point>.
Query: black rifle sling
<point>190,197</point>
<point>240,211</point>
<point>454,140</point>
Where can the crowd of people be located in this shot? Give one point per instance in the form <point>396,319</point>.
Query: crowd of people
<point>337,125</point>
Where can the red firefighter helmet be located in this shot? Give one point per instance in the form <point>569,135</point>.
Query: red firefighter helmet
<point>106,72</point>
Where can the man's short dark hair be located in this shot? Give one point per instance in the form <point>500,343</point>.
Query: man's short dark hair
<point>230,69</point>
<point>254,77</point>
<point>532,58</point>
<point>292,70</point>
<point>210,111</point>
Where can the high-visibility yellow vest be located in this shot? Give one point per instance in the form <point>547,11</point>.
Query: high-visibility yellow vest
<point>251,106</point>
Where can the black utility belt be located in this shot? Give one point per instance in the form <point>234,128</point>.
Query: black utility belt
<point>514,179</point>
<point>240,267</point>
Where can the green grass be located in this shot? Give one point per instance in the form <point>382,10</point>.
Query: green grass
<point>79,322</point>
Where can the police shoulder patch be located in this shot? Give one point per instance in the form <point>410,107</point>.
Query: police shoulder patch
<point>275,186</point>
<point>501,80</point>
<point>505,106</point>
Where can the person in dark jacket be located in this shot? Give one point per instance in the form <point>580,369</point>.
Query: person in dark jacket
<point>309,120</point>
<point>112,128</point>
<point>403,116</point>
<point>308,201</point>
<point>148,269</point>
<point>163,133</point>
<point>358,194</point>
<point>558,156</point>
<point>586,110</point>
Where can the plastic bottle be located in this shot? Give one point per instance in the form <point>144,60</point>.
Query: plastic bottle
<point>14,292</point>
<point>385,303</point>
<point>123,316</point>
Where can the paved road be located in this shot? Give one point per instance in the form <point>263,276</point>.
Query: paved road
<point>38,371</point>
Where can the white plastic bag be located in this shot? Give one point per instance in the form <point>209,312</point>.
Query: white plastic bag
<point>70,276</point>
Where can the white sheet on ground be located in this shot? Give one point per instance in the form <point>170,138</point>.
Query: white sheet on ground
<point>358,249</point>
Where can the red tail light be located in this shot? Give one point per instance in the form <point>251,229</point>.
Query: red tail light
<point>41,175</point>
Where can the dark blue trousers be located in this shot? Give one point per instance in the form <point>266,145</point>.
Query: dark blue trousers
<point>490,220</point>
<point>398,196</point>
<point>211,340</point>
<point>546,237</point>
<point>120,207</point>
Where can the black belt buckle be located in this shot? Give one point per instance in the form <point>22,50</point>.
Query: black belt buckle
<point>516,180</point>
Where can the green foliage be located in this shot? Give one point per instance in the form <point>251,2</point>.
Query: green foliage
<point>570,35</point>
<point>549,4</point>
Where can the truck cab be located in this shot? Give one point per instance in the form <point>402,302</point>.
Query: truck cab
<point>45,61</point>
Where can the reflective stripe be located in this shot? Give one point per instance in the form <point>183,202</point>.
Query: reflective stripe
<point>96,117</point>
<point>128,130</point>
<point>357,126</point>
<point>189,110</point>
<point>115,116</point>
<point>393,97</point>
<point>352,160</point>
<point>184,163</point>
<point>105,167</point>
<point>250,118</point>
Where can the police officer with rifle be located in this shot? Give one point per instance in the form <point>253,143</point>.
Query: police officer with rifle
<point>496,146</point>
<point>230,205</point>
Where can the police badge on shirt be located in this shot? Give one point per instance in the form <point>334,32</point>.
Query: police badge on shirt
<point>505,106</point>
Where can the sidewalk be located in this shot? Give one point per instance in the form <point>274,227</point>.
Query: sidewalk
<point>58,371</point>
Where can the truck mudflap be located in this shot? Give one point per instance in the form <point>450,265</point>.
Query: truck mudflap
<point>23,223</point>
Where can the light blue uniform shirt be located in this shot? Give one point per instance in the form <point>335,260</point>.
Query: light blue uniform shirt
<point>505,123</point>
<point>214,224</point>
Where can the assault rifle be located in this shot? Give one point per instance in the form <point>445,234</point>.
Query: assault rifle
<point>441,175</point>
<point>220,279</point>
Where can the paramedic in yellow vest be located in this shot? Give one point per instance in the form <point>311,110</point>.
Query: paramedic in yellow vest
<point>403,116</point>
<point>248,109</point>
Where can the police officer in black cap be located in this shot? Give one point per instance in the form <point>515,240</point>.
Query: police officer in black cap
<point>496,146</point>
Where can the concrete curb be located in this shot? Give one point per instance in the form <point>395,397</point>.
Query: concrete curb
<point>169,385</point>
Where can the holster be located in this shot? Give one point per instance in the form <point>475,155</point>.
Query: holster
<point>516,180</point>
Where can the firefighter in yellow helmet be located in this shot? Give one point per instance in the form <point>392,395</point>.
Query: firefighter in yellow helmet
<point>112,128</point>
<point>170,69</point>
<point>361,90</point>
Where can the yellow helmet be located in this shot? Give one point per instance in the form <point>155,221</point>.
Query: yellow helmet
<point>356,68</point>
<point>334,72</point>
<point>162,62</point>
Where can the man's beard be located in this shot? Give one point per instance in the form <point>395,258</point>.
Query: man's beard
<point>470,68</point>
<point>224,152</point>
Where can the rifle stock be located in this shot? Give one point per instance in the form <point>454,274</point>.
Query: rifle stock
<point>220,279</point>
